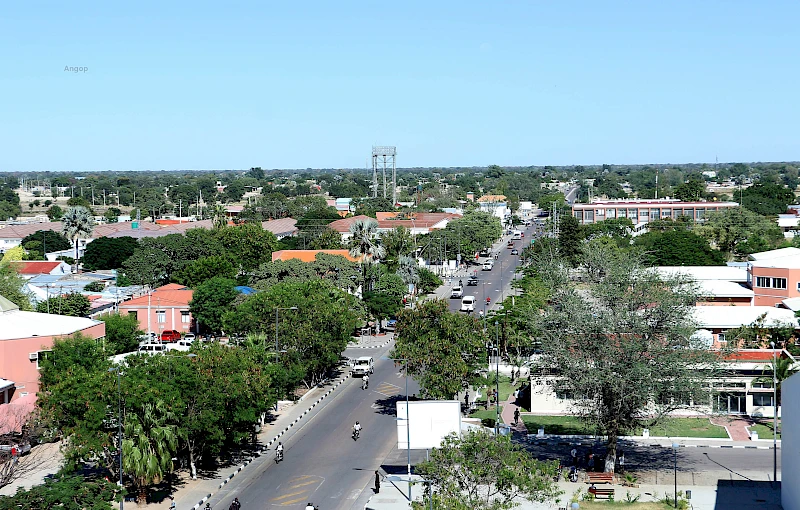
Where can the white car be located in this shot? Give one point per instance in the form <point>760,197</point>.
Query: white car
<point>363,366</point>
<point>468,304</point>
<point>189,337</point>
<point>488,265</point>
<point>182,345</point>
<point>456,293</point>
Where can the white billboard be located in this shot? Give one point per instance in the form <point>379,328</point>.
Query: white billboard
<point>430,421</point>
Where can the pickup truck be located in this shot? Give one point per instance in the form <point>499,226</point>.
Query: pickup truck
<point>363,366</point>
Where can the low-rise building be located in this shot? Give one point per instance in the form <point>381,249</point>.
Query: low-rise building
<point>644,211</point>
<point>32,268</point>
<point>165,308</point>
<point>25,338</point>
<point>774,276</point>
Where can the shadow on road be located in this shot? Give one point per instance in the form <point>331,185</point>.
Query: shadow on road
<point>747,495</point>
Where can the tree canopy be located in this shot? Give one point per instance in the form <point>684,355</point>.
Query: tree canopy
<point>108,252</point>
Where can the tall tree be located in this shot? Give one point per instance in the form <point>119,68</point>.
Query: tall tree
<point>444,349</point>
<point>12,287</point>
<point>211,300</point>
<point>108,252</point>
<point>481,471</point>
<point>736,230</point>
<point>363,241</point>
<point>624,343</point>
<point>77,223</point>
<point>149,443</point>
<point>678,248</point>
<point>569,239</point>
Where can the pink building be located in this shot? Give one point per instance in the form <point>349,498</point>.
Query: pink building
<point>25,338</point>
<point>166,308</point>
<point>775,277</point>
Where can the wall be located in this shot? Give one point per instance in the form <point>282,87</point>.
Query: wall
<point>790,444</point>
<point>172,317</point>
<point>16,366</point>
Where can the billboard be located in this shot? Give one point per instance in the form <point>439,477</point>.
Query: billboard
<point>430,421</point>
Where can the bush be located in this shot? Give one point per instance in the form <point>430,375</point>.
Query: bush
<point>94,287</point>
<point>428,281</point>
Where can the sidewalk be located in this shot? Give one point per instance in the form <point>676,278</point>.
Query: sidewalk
<point>725,495</point>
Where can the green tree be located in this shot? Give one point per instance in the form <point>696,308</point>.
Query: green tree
<point>326,239</point>
<point>112,214</point>
<point>397,242</point>
<point>108,252</point>
<point>234,191</point>
<point>72,304</point>
<point>481,471</point>
<point>47,239</point>
<point>428,281</point>
<point>734,230</point>
<point>55,212</point>
<point>691,190</point>
<point>444,349</point>
<point>678,248</point>
<point>247,246</point>
<point>569,239</point>
<point>65,492</point>
<point>77,223</point>
<point>202,270</point>
<point>150,441</point>
<point>79,202</point>
<point>211,300</point>
<point>767,199</point>
<point>624,341</point>
<point>371,206</point>
<point>94,287</point>
<point>12,287</point>
<point>363,241</point>
<point>122,333</point>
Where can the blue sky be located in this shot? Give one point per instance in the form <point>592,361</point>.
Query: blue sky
<point>207,85</point>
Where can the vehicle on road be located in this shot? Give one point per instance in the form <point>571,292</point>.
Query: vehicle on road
<point>170,335</point>
<point>468,304</point>
<point>363,366</point>
<point>456,293</point>
<point>487,266</point>
<point>510,245</point>
<point>515,252</point>
<point>472,281</point>
<point>391,324</point>
<point>279,453</point>
<point>152,349</point>
<point>517,235</point>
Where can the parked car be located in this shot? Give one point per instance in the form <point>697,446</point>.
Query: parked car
<point>515,252</point>
<point>181,345</point>
<point>170,335</point>
<point>152,349</point>
<point>472,281</point>
<point>391,324</point>
<point>456,293</point>
<point>510,245</point>
<point>189,337</point>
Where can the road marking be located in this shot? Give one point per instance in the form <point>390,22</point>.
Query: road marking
<point>305,485</point>
<point>387,389</point>
<point>376,406</point>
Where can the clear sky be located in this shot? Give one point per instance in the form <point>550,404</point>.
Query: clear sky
<point>228,85</point>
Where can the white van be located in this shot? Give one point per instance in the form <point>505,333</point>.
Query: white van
<point>468,304</point>
<point>517,235</point>
<point>152,349</point>
<point>363,366</point>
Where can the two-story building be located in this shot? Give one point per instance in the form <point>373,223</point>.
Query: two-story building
<point>775,276</point>
<point>165,308</point>
<point>644,211</point>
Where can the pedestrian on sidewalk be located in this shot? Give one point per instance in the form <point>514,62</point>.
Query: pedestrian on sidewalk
<point>591,463</point>
<point>621,461</point>
<point>574,454</point>
<point>377,482</point>
<point>172,506</point>
<point>516,416</point>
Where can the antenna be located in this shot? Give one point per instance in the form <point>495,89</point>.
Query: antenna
<point>656,183</point>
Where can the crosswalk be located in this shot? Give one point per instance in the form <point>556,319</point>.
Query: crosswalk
<point>297,490</point>
<point>387,389</point>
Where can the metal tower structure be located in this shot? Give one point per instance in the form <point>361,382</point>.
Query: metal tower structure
<point>382,158</point>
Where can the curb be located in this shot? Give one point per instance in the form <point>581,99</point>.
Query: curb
<point>578,442</point>
<point>272,441</point>
<point>370,346</point>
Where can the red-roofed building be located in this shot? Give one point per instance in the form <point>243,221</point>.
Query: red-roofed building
<point>311,255</point>
<point>417,223</point>
<point>163,309</point>
<point>31,268</point>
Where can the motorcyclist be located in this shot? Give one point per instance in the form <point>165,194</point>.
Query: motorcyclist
<point>365,382</point>
<point>279,451</point>
<point>480,312</point>
<point>356,429</point>
<point>310,507</point>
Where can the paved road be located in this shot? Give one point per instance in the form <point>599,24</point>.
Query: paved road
<point>323,464</point>
<point>493,284</point>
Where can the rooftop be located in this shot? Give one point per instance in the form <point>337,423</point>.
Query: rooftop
<point>775,254</point>
<point>38,266</point>
<point>728,317</point>
<point>700,273</point>
<point>310,255</point>
<point>658,201</point>
<point>724,289</point>
<point>18,324</point>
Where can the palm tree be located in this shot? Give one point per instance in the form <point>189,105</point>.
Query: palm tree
<point>363,241</point>
<point>783,368</point>
<point>77,223</point>
<point>220,217</point>
<point>150,444</point>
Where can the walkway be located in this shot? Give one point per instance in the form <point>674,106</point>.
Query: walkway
<point>507,415</point>
<point>735,425</point>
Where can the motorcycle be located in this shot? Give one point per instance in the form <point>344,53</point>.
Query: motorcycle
<point>364,384</point>
<point>356,433</point>
<point>278,456</point>
<point>573,474</point>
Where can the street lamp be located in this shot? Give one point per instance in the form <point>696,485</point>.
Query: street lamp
<point>675,447</point>
<point>408,425</point>
<point>276,327</point>
<point>119,433</point>
<point>497,380</point>
<point>774,413</point>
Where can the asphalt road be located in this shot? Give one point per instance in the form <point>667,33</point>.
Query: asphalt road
<point>493,284</point>
<point>322,464</point>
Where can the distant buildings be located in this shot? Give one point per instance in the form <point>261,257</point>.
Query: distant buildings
<point>496,205</point>
<point>644,211</point>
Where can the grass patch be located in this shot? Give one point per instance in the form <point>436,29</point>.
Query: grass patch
<point>674,427</point>
<point>506,388</point>
<point>561,425</point>
<point>487,416</point>
<point>687,427</point>
<point>764,429</point>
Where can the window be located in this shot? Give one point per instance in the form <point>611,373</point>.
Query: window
<point>42,355</point>
<point>762,281</point>
<point>185,318</point>
<point>761,384</point>
<point>779,283</point>
<point>721,337</point>
<point>762,399</point>
<point>161,316</point>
